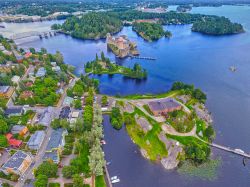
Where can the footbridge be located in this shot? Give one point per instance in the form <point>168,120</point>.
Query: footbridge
<point>44,34</point>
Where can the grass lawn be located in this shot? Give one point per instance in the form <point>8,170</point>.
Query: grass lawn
<point>54,184</point>
<point>100,181</point>
<point>149,141</point>
<point>151,96</point>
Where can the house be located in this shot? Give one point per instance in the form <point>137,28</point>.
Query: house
<point>17,164</point>
<point>53,64</point>
<point>7,52</point>
<point>46,117</point>
<point>15,79</point>
<point>36,140</point>
<point>56,69</point>
<point>67,101</point>
<point>19,129</point>
<point>27,55</point>
<point>14,111</point>
<point>41,72</point>
<point>65,112</point>
<point>2,48</point>
<point>26,94</point>
<point>6,91</point>
<point>29,84</point>
<point>19,58</point>
<point>164,106</point>
<point>14,143</point>
<point>75,114</point>
<point>55,145</point>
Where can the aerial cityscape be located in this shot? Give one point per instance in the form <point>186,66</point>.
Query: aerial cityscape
<point>124,93</point>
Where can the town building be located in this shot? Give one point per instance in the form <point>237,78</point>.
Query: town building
<point>152,10</point>
<point>26,94</point>
<point>2,48</point>
<point>6,91</point>
<point>17,164</point>
<point>14,111</point>
<point>67,101</point>
<point>27,55</point>
<point>46,117</point>
<point>163,106</point>
<point>55,145</point>
<point>14,143</point>
<point>19,129</point>
<point>65,112</point>
<point>36,140</point>
<point>15,79</point>
<point>57,69</point>
<point>41,72</point>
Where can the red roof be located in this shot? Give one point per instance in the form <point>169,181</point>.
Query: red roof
<point>27,55</point>
<point>9,136</point>
<point>15,143</point>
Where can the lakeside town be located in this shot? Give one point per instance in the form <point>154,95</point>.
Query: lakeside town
<point>52,120</point>
<point>47,111</point>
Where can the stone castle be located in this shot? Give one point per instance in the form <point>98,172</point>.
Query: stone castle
<point>121,46</point>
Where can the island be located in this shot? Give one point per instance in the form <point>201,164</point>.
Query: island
<point>103,65</point>
<point>150,31</point>
<point>184,8</point>
<point>217,26</point>
<point>121,46</point>
<point>90,26</point>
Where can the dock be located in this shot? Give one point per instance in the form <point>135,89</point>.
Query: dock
<point>107,176</point>
<point>141,57</point>
<point>228,149</point>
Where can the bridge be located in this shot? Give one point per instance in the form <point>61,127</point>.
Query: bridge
<point>44,34</point>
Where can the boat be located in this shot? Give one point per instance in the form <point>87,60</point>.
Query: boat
<point>232,68</point>
<point>114,178</point>
<point>108,163</point>
<point>115,181</point>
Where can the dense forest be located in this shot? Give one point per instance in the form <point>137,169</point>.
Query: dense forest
<point>150,31</point>
<point>91,26</point>
<point>217,26</point>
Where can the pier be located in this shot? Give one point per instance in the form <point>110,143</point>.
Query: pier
<point>141,57</point>
<point>228,149</point>
<point>41,35</point>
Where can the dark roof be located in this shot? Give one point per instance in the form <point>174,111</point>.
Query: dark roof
<point>16,160</point>
<point>51,155</point>
<point>55,139</point>
<point>65,112</point>
<point>16,110</point>
<point>163,104</point>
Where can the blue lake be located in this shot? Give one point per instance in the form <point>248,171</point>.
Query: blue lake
<point>189,57</point>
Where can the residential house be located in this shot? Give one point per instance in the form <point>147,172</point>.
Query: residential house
<point>2,48</point>
<point>26,94</point>
<point>46,117</point>
<point>27,55</point>
<point>6,91</point>
<point>41,72</point>
<point>65,112</point>
<point>57,69</point>
<point>14,111</point>
<point>15,79</point>
<point>67,101</point>
<point>55,145</point>
<point>53,64</point>
<point>36,140</point>
<point>19,129</point>
<point>163,106</point>
<point>7,52</point>
<point>18,163</point>
<point>14,143</point>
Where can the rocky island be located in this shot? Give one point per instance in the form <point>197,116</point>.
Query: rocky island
<point>121,46</point>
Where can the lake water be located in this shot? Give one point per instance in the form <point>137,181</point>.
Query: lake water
<point>189,57</point>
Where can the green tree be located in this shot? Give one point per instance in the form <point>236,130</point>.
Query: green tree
<point>4,128</point>
<point>104,100</point>
<point>77,181</point>
<point>41,181</point>
<point>3,141</point>
<point>78,104</point>
<point>68,171</point>
<point>47,168</point>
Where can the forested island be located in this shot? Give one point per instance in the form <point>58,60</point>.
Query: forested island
<point>90,26</point>
<point>217,26</point>
<point>150,31</point>
<point>147,25</point>
<point>104,66</point>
